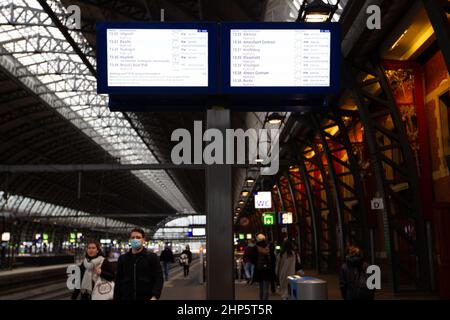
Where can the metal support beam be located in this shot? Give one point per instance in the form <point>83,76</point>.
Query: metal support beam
<point>339,206</point>
<point>393,164</point>
<point>219,220</point>
<point>436,10</point>
<point>313,213</point>
<point>66,34</point>
<point>112,215</point>
<point>55,168</point>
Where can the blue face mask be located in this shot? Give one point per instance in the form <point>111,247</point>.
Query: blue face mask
<point>136,244</point>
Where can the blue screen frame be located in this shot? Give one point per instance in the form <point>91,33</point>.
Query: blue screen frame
<point>335,59</point>
<point>102,61</point>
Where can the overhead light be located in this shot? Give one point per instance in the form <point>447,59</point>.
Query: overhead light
<point>399,39</point>
<point>316,11</point>
<point>249,180</point>
<point>259,160</point>
<point>275,118</point>
<point>241,202</point>
<point>245,193</point>
<point>238,209</point>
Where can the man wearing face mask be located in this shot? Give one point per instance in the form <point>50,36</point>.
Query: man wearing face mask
<point>139,274</point>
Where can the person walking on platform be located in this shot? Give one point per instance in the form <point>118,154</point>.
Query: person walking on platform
<point>250,257</point>
<point>166,258</point>
<point>185,260</point>
<point>353,277</point>
<point>285,267</point>
<point>263,270</point>
<point>93,267</point>
<point>139,273</point>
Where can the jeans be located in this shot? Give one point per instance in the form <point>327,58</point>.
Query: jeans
<point>249,269</point>
<point>166,269</point>
<point>264,290</point>
<point>186,270</point>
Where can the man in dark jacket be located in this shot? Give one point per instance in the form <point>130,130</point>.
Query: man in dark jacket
<point>353,277</point>
<point>139,274</point>
<point>166,258</point>
<point>263,271</point>
<point>250,257</point>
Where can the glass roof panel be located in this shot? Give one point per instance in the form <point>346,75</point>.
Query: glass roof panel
<point>47,70</point>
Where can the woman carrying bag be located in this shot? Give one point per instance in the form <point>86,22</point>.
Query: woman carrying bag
<point>286,266</point>
<point>97,275</point>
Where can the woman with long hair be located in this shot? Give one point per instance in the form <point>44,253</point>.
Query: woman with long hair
<point>93,267</point>
<point>285,267</point>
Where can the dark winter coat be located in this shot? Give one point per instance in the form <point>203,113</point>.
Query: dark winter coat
<point>189,254</point>
<point>139,276</point>
<point>263,273</point>
<point>352,279</point>
<point>250,255</point>
<point>167,256</point>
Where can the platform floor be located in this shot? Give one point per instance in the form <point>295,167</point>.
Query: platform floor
<point>180,288</point>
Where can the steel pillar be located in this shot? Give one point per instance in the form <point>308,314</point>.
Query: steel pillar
<point>393,165</point>
<point>219,220</point>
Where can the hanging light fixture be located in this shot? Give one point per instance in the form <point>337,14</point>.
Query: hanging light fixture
<point>249,180</point>
<point>316,11</point>
<point>275,118</point>
<point>245,193</point>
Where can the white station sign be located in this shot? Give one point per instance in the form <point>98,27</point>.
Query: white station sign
<point>263,200</point>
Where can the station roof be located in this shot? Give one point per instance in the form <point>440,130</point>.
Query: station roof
<point>50,112</point>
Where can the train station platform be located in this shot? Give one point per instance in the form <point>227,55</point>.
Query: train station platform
<point>49,283</point>
<point>180,288</point>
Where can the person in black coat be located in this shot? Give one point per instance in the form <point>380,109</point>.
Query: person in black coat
<point>96,266</point>
<point>139,274</point>
<point>166,258</point>
<point>187,263</point>
<point>353,277</point>
<point>264,272</point>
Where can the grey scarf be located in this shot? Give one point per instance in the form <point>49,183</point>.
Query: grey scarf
<point>90,275</point>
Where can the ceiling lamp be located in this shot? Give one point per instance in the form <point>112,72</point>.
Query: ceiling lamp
<point>245,193</point>
<point>316,11</point>
<point>275,118</point>
<point>249,180</point>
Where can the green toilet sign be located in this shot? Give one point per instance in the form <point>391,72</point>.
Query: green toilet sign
<point>268,218</point>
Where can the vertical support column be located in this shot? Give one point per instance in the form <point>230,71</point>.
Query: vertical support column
<point>312,205</point>
<point>441,26</point>
<point>219,220</point>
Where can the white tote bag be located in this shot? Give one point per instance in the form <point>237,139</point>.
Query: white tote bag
<point>103,290</point>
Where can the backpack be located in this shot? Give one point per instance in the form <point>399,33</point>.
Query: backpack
<point>359,285</point>
<point>263,261</point>
<point>184,259</point>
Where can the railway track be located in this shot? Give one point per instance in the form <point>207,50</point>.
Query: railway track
<point>53,288</point>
